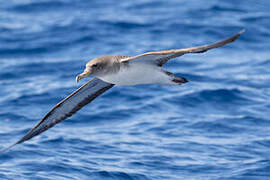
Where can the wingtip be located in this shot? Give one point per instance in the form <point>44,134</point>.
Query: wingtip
<point>237,35</point>
<point>7,148</point>
<point>242,31</point>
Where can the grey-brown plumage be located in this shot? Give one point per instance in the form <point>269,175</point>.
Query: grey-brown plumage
<point>132,70</point>
<point>117,70</point>
<point>67,107</point>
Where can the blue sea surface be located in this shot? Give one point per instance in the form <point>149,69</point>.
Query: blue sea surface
<point>215,127</point>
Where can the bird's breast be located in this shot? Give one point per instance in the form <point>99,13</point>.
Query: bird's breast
<point>133,74</point>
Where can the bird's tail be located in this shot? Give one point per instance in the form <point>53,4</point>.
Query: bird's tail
<point>179,80</point>
<point>176,79</point>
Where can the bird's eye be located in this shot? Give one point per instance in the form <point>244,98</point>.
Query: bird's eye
<point>94,65</point>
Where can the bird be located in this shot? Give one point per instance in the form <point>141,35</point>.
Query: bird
<point>111,70</point>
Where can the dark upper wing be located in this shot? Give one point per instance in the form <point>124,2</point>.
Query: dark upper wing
<point>162,57</point>
<point>67,107</point>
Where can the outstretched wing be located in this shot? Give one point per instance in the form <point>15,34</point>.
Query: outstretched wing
<point>162,57</point>
<point>67,107</point>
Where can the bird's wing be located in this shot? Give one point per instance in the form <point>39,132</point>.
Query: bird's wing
<point>162,57</point>
<point>67,107</point>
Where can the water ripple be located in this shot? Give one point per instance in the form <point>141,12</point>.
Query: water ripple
<point>214,127</point>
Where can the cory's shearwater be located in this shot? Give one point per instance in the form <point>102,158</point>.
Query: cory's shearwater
<point>117,70</point>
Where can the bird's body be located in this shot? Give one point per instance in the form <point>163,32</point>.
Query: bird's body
<point>134,73</point>
<point>117,70</point>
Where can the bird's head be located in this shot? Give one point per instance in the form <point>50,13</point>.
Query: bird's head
<point>95,67</point>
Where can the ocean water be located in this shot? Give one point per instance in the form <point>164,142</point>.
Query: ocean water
<point>215,127</point>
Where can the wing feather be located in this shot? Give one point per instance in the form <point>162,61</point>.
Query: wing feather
<point>162,57</point>
<point>67,107</point>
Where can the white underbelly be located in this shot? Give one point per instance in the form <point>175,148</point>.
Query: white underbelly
<point>138,74</point>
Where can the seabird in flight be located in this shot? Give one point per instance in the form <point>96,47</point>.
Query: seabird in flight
<point>117,70</point>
